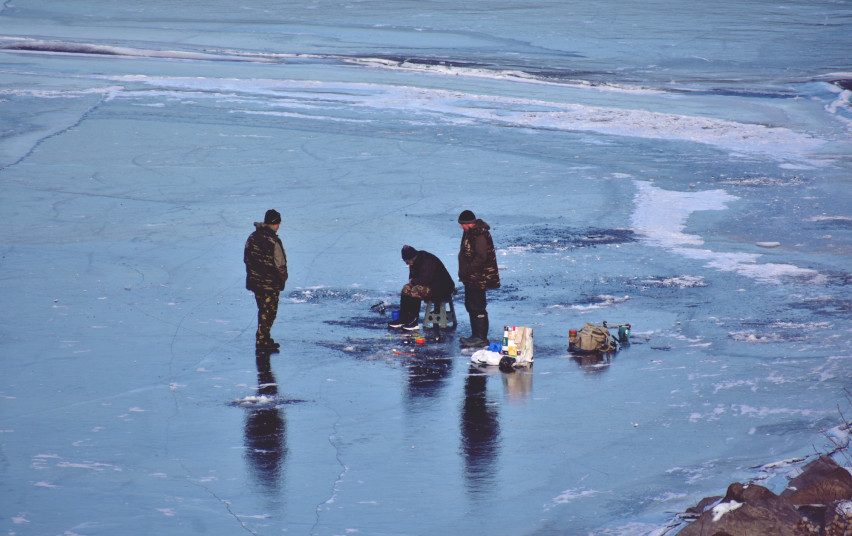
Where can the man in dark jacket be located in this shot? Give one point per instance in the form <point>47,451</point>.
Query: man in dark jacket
<point>478,272</point>
<point>266,274</point>
<point>428,279</point>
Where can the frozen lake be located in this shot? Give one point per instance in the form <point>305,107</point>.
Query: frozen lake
<point>687,171</point>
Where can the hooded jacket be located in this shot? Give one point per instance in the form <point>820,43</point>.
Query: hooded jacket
<point>265,260</point>
<point>477,258</point>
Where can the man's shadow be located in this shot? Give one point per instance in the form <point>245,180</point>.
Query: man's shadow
<point>593,362</point>
<point>480,434</point>
<point>266,430</point>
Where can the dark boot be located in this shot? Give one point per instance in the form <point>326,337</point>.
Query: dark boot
<point>479,327</point>
<point>464,340</point>
<point>483,328</point>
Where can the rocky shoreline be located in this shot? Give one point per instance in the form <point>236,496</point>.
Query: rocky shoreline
<point>818,502</point>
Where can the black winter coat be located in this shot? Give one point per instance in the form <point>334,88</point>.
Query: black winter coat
<point>429,271</point>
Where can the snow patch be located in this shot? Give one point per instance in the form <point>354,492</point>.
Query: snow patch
<point>681,281</point>
<point>733,384</point>
<point>571,495</point>
<point>844,509</point>
<point>599,302</point>
<point>721,509</point>
<point>752,337</point>
<point>840,435</point>
<point>660,216</point>
<point>746,410</point>
<point>92,466</point>
<point>842,101</point>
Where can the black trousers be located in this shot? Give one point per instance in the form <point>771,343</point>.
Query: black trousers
<point>474,299</point>
<point>267,310</point>
<point>409,307</point>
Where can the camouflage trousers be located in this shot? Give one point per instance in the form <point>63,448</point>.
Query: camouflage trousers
<point>409,301</point>
<point>421,292</point>
<point>267,310</point>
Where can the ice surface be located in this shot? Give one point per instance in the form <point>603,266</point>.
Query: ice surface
<point>630,157</point>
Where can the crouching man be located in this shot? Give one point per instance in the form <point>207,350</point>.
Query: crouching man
<point>428,279</point>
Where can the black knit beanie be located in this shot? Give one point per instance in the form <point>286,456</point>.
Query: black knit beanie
<point>272,217</point>
<point>408,253</point>
<point>467,217</point>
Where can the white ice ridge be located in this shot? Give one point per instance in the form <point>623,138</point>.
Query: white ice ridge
<point>494,74</point>
<point>660,217</point>
<point>455,107</point>
<point>27,44</point>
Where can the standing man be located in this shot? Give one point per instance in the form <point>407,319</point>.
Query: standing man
<point>266,274</point>
<point>478,272</point>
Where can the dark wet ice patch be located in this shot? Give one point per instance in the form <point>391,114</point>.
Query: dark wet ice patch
<point>758,337</point>
<point>826,306</point>
<point>394,346</point>
<point>264,401</point>
<point>427,374</point>
<point>588,303</point>
<point>547,238</point>
<point>843,83</point>
<point>841,223</point>
<point>778,331</point>
<point>321,294</point>
<point>376,322</point>
<point>836,278</point>
<point>793,426</point>
<point>358,347</point>
<point>506,293</point>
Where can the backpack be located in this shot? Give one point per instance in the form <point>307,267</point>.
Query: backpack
<point>593,338</point>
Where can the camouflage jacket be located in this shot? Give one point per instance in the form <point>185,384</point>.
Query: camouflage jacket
<point>265,259</point>
<point>477,258</point>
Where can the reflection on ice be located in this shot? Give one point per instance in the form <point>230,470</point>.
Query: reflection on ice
<point>427,375</point>
<point>592,362</point>
<point>266,432</point>
<point>480,434</point>
<point>518,384</point>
